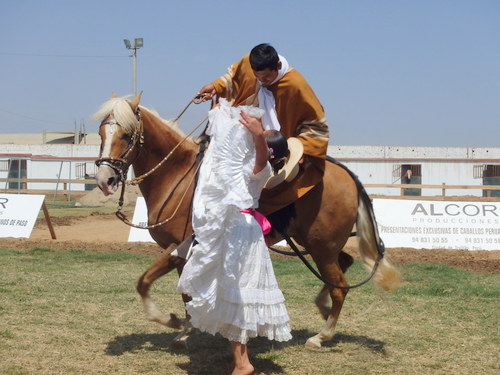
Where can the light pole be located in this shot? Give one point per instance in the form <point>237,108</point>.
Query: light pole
<point>138,43</point>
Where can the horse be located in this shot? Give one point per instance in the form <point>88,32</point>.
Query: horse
<point>165,161</point>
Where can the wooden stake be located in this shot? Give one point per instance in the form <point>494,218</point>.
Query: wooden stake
<point>47,219</point>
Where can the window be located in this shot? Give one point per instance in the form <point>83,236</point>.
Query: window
<point>80,170</point>
<point>491,171</point>
<point>4,165</point>
<point>411,174</point>
<point>17,169</point>
<point>491,176</point>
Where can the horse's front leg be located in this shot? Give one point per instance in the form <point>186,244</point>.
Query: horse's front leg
<point>162,266</point>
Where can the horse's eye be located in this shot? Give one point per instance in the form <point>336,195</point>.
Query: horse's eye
<point>125,137</point>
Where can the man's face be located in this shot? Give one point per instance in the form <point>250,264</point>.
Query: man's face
<point>266,76</point>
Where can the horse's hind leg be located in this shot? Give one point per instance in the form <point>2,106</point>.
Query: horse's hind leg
<point>335,275</point>
<point>322,300</point>
<point>162,266</point>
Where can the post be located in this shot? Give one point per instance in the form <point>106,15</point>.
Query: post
<point>134,73</point>
<point>134,46</point>
<point>47,219</point>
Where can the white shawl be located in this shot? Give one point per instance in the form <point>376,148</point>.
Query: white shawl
<point>266,99</point>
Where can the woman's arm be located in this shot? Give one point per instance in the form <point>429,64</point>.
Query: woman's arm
<point>254,125</point>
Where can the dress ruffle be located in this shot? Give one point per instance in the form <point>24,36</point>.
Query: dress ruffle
<point>229,275</point>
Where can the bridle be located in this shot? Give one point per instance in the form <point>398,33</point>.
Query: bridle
<point>121,164</point>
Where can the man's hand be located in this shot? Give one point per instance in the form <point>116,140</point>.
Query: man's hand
<point>207,92</point>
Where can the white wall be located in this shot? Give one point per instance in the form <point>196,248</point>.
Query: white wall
<point>51,161</point>
<point>372,164</point>
<point>449,165</point>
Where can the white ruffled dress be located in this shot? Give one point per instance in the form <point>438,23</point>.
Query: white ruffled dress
<point>229,274</point>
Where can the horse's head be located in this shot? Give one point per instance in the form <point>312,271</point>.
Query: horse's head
<point>121,138</point>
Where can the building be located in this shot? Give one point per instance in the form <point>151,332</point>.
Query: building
<point>422,165</point>
<point>71,157</point>
<point>57,156</point>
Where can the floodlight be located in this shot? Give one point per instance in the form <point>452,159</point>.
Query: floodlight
<point>138,43</point>
<point>127,43</point>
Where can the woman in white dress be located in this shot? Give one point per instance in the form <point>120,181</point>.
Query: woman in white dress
<point>229,274</point>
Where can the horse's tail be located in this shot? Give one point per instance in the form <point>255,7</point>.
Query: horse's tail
<point>370,246</point>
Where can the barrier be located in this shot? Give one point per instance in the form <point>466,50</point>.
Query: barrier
<point>441,225</point>
<point>18,214</point>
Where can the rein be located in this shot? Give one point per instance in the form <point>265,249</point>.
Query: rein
<point>380,244</point>
<point>300,254</point>
<point>124,218</point>
<point>139,179</point>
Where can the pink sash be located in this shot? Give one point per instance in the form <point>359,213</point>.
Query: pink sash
<point>261,219</point>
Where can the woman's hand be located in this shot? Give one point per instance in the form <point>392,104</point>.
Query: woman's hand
<point>253,124</point>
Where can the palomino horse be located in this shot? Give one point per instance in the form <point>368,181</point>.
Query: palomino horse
<point>165,161</point>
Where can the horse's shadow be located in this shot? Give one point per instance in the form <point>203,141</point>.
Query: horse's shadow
<point>211,354</point>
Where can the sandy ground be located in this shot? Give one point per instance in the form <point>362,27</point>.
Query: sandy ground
<point>106,233</point>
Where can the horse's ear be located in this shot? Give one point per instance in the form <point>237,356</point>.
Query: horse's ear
<point>135,102</point>
<point>113,95</point>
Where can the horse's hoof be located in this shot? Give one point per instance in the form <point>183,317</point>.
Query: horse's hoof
<point>313,343</point>
<point>180,341</point>
<point>170,321</point>
<point>179,345</point>
<point>174,322</point>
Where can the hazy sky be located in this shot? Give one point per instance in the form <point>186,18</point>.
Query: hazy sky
<point>388,72</point>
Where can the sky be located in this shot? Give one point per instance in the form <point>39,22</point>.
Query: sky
<point>388,72</point>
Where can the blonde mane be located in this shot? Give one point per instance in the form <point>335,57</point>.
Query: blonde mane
<point>123,114</point>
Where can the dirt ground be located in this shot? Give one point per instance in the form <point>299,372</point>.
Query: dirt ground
<point>106,233</point>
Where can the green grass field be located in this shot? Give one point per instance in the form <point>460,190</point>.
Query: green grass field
<point>77,312</point>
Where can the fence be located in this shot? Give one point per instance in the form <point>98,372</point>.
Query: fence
<point>67,190</point>
<point>487,190</point>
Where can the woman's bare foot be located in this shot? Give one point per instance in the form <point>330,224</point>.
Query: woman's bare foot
<point>243,370</point>
<point>242,365</point>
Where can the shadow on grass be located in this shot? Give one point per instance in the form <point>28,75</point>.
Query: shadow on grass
<point>208,355</point>
<point>211,355</point>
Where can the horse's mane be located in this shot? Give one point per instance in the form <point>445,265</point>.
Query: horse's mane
<point>123,114</point>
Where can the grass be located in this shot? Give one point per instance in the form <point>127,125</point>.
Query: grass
<point>77,312</point>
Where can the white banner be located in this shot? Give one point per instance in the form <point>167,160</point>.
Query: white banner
<point>438,225</point>
<point>18,214</point>
<point>140,218</point>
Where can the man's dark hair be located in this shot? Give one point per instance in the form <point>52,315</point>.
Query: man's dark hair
<point>264,56</point>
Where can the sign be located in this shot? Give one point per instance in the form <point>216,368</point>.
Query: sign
<point>438,225</point>
<point>140,218</point>
<point>18,214</point>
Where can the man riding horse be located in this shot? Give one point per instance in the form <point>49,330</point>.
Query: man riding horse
<point>324,218</point>
<point>263,78</point>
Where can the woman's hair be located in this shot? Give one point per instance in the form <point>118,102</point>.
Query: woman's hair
<point>264,56</point>
<point>278,149</point>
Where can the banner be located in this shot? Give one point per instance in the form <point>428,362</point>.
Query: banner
<point>438,225</point>
<point>18,214</point>
<point>140,218</point>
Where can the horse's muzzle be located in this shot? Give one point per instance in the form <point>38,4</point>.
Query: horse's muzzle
<point>108,179</point>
